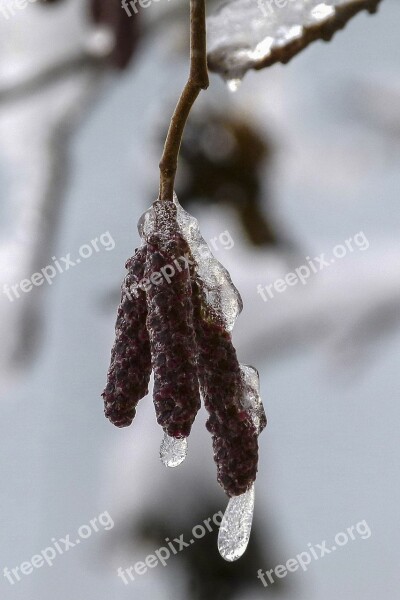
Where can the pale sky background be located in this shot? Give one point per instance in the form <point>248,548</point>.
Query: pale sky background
<point>329,456</point>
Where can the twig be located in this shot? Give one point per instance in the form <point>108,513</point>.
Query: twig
<point>198,80</point>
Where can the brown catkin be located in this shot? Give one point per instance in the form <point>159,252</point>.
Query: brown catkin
<point>170,324</point>
<point>130,367</point>
<point>235,437</point>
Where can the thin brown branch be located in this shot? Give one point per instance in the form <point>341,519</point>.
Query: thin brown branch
<point>198,80</point>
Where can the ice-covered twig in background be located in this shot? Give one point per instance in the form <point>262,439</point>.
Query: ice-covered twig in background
<point>253,34</point>
<point>34,147</point>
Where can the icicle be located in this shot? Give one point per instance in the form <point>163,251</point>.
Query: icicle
<point>173,451</point>
<point>234,531</point>
<point>233,84</point>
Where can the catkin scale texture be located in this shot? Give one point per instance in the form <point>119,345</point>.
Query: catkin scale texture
<point>130,367</point>
<point>234,435</point>
<point>170,325</point>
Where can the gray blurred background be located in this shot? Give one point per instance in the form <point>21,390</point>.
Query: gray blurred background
<point>299,159</point>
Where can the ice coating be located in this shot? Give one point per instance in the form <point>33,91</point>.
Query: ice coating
<point>224,390</point>
<point>251,398</point>
<point>231,391</point>
<point>235,528</point>
<point>173,451</point>
<point>251,34</point>
<point>233,84</point>
<point>221,295</point>
<point>170,323</point>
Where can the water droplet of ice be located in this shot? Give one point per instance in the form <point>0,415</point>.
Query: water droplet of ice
<point>233,84</point>
<point>100,42</point>
<point>173,451</point>
<point>234,531</point>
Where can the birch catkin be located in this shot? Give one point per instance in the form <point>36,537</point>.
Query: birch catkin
<point>130,367</point>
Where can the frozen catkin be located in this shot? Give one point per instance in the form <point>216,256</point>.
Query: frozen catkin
<point>170,323</point>
<point>177,310</point>
<point>130,367</point>
<point>234,434</point>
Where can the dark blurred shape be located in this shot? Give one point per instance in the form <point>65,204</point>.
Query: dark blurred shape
<point>125,28</point>
<point>210,577</point>
<point>224,157</point>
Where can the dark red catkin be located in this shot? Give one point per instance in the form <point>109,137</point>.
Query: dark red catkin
<point>235,437</point>
<point>130,368</point>
<point>170,324</point>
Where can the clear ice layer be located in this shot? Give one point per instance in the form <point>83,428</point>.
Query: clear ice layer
<point>251,400</point>
<point>220,293</point>
<point>245,34</point>
<point>235,529</point>
<point>173,451</point>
